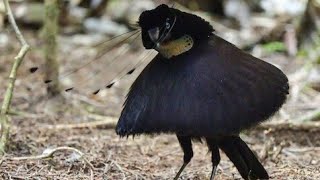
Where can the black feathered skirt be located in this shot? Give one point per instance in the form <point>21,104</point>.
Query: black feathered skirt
<point>214,89</point>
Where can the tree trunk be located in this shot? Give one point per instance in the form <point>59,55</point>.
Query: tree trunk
<point>51,47</point>
<point>309,30</point>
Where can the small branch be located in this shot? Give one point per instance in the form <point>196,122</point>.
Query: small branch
<point>120,169</point>
<point>306,126</point>
<point>4,119</point>
<point>49,153</point>
<point>2,159</point>
<point>46,154</point>
<point>13,23</point>
<point>23,114</point>
<point>109,122</point>
<point>302,150</point>
<point>312,116</point>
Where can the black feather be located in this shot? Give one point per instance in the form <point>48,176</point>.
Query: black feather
<point>211,90</point>
<point>69,89</point>
<point>110,85</point>
<point>47,81</point>
<point>96,92</point>
<point>131,71</point>
<point>33,69</point>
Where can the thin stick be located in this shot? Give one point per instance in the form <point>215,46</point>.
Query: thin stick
<point>312,116</point>
<point>49,153</point>
<point>2,159</point>
<point>108,122</point>
<point>4,119</point>
<point>302,150</point>
<point>306,126</point>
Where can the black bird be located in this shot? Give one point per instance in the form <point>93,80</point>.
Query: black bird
<point>200,86</point>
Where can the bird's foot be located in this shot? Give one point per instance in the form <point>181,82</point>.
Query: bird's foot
<point>180,171</point>
<point>213,173</point>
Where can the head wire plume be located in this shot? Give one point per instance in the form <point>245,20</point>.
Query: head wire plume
<point>120,52</point>
<point>124,71</point>
<point>128,35</point>
<point>140,62</point>
<point>96,58</point>
<point>37,68</point>
<point>99,56</point>
<point>110,84</point>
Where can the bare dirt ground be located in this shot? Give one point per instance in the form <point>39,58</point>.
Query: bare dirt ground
<point>286,153</point>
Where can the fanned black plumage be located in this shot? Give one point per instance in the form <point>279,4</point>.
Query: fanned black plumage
<point>201,88</point>
<point>214,89</point>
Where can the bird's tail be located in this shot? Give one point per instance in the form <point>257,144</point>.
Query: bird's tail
<point>243,158</point>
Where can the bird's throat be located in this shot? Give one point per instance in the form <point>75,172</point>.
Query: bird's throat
<point>175,47</point>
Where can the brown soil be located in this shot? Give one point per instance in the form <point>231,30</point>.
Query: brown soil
<point>286,155</point>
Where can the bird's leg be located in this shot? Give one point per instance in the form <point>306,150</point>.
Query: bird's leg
<point>186,145</point>
<point>215,156</point>
<point>215,159</point>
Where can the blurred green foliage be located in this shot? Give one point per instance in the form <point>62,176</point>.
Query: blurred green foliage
<point>274,46</point>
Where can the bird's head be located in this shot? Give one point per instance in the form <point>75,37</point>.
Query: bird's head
<point>172,32</point>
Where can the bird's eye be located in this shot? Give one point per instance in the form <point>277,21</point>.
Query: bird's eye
<point>168,25</point>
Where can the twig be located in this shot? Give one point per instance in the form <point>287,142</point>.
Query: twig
<point>265,150</point>
<point>109,122</point>
<point>4,119</point>
<point>312,116</point>
<point>306,126</point>
<point>25,114</point>
<point>49,153</point>
<point>302,150</point>
<point>108,167</point>
<point>37,172</point>
<point>2,159</point>
<point>18,177</point>
<point>91,174</point>
<point>120,169</point>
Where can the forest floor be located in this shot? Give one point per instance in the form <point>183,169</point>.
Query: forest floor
<point>288,153</point>
<point>285,154</point>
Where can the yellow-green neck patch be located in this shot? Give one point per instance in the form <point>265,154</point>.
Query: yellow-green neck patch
<point>176,47</point>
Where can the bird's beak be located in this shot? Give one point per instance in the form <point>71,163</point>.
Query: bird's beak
<point>154,34</point>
